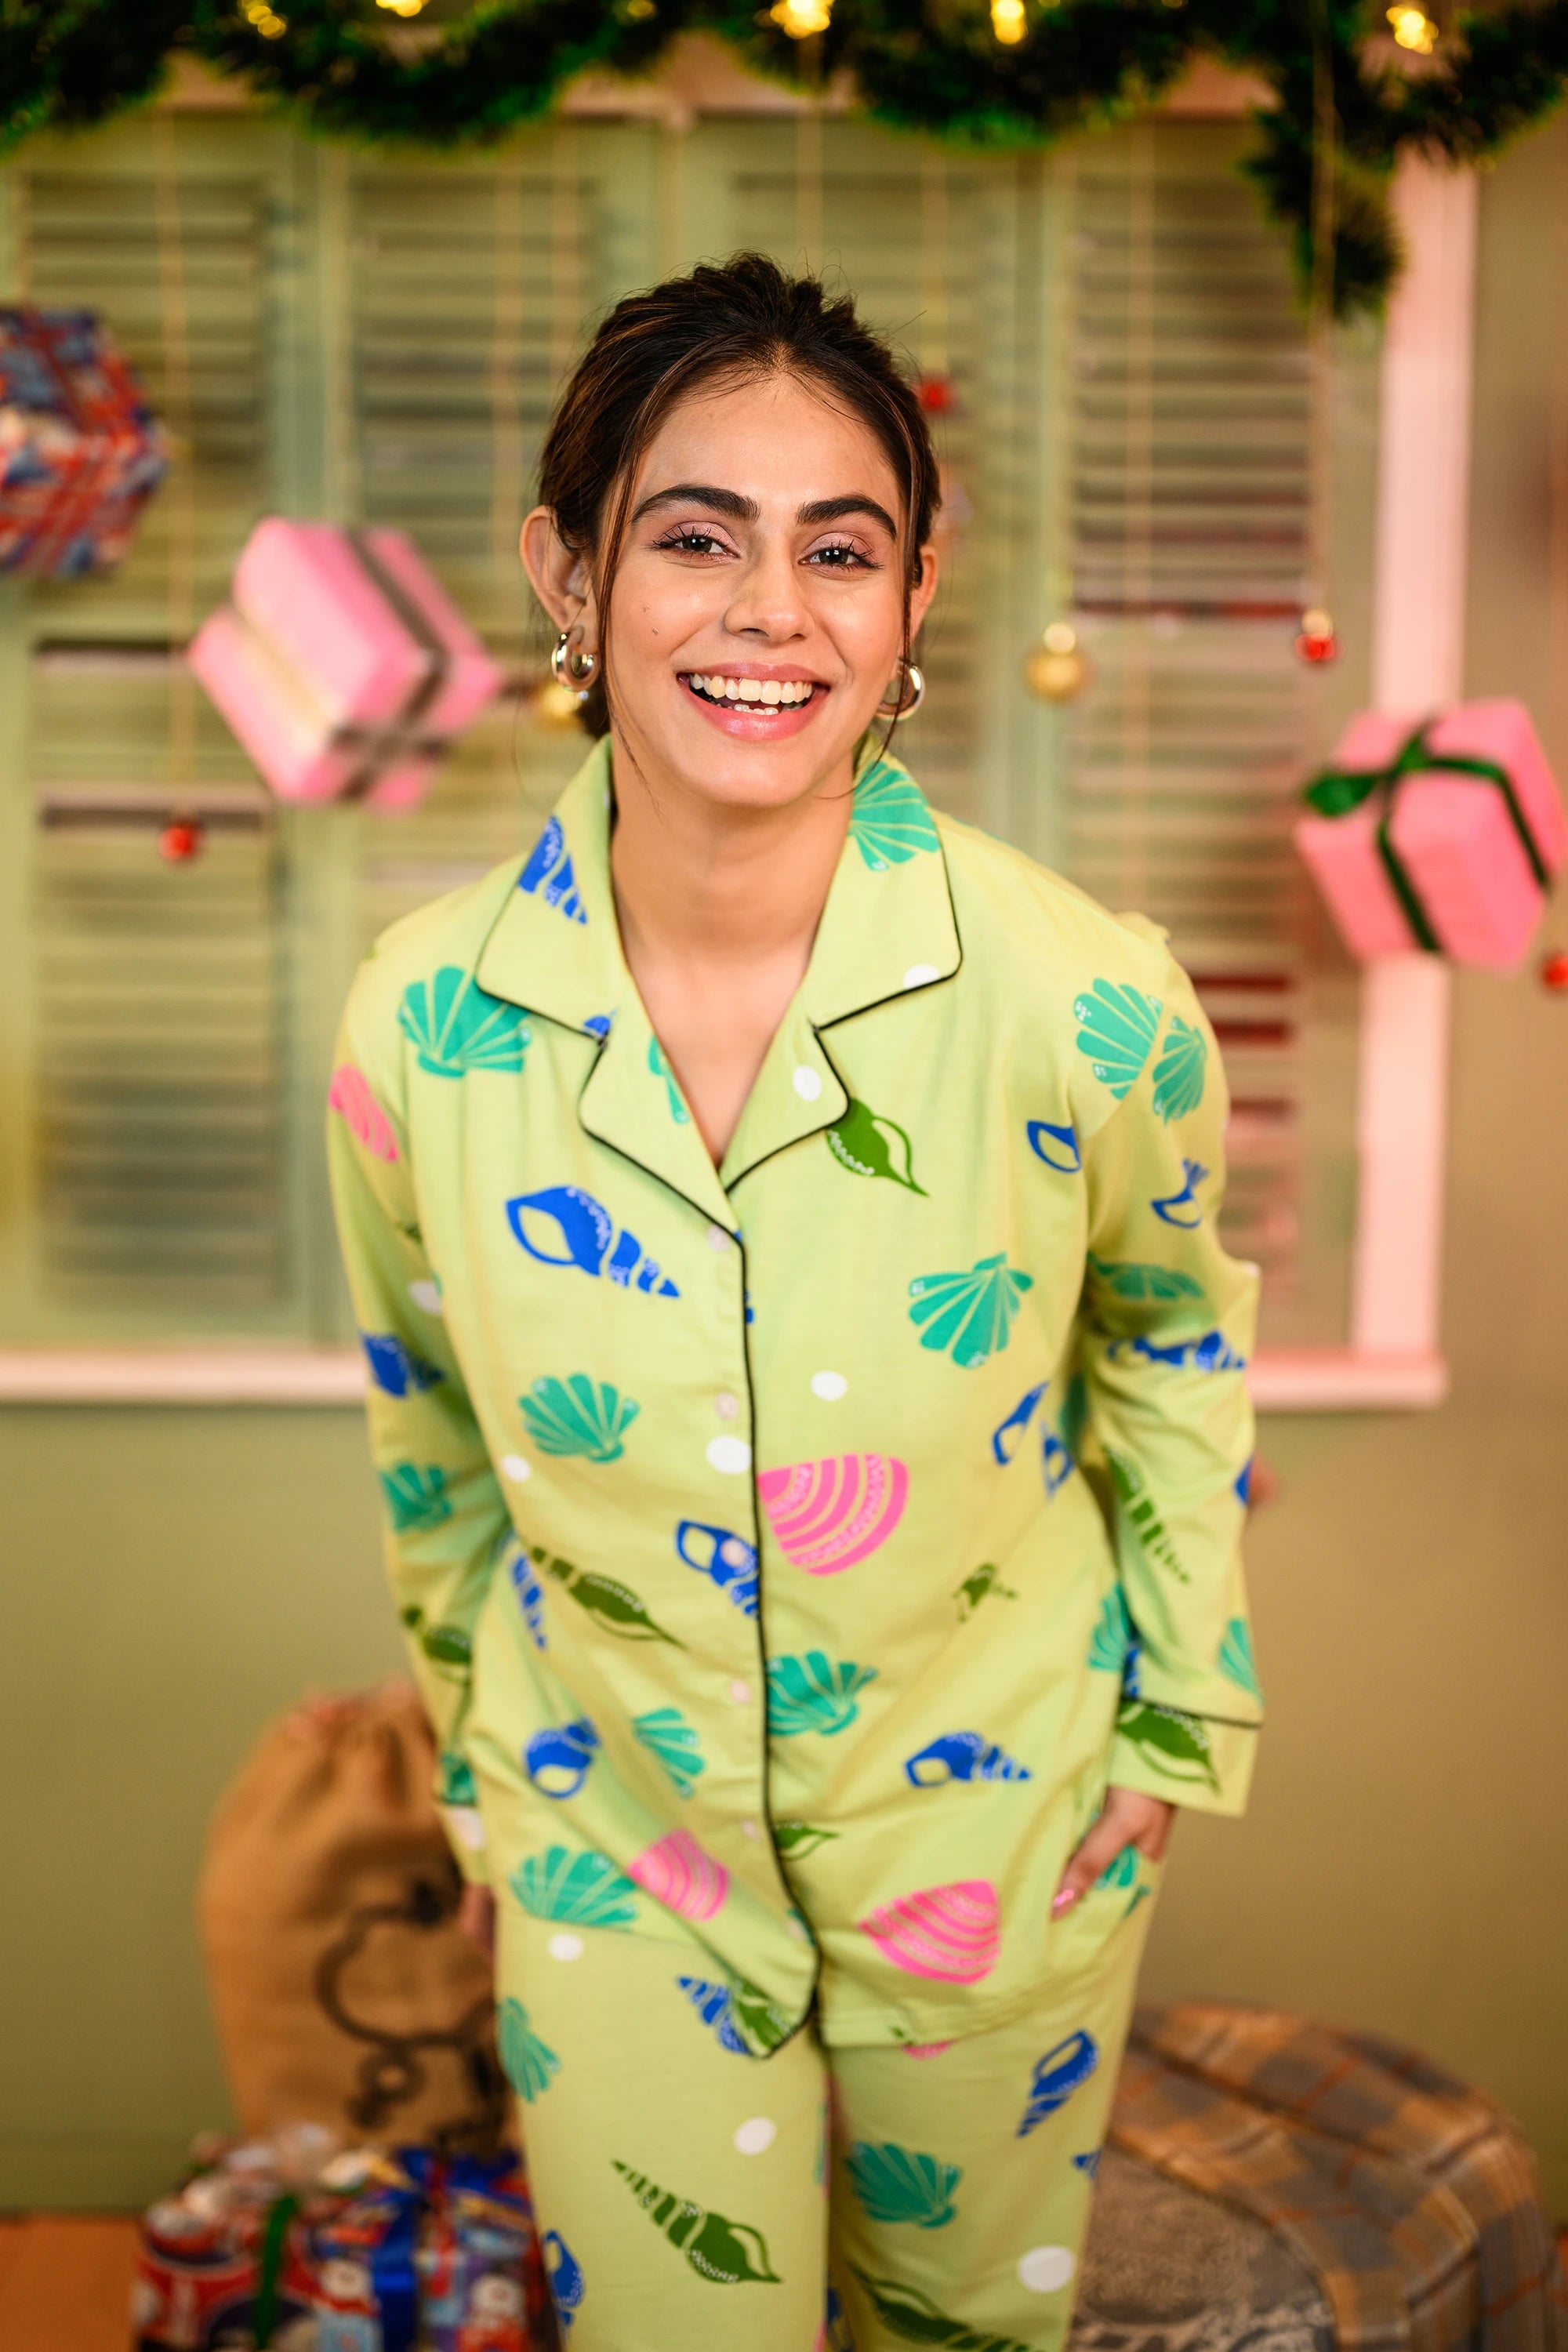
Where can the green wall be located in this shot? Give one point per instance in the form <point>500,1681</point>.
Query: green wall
<point>170,1579</point>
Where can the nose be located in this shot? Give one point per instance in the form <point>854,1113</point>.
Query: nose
<point>769,602</point>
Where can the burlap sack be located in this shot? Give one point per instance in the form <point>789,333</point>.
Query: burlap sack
<point>344,1991</point>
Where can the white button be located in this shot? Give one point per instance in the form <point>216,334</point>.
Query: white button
<point>731,1455</point>
<point>829,1386</point>
<point>756,2134</point>
<point>1044,2269</point>
<point>725,1405</point>
<point>807,1084</point>
<point>566,1948</point>
<point>740,1692</point>
<point>919,973</point>
<point>513,1466</point>
<point>718,1239</point>
<point>749,1829</point>
<point>426,1294</point>
<point>467,1827</point>
<point>733,1552</point>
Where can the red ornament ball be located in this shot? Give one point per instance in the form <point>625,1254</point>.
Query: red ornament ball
<point>1554,971</point>
<point>1316,642</point>
<point>180,840</point>
<point>935,394</point>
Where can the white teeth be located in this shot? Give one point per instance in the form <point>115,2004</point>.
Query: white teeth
<point>772,691</point>
<point>732,688</point>
<point>782,693</point>
<point>751,689</point>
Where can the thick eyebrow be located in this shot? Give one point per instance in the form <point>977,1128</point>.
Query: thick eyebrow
<point>834,510</point>
<point>743,509</point>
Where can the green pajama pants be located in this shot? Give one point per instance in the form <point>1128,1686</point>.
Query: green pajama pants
<point>694,2199</point>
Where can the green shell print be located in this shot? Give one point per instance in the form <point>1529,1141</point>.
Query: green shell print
<point>457,1028</point>
<point>585,1888</point>
<point>896,2184</point>
<point>666,1732</point>
<point>891,822</point>
<point>615,1606</point>
<point>1173,1743</point>
<point>764,2023</point>
<point>798,1839</point>
<point>416,1495</point>
<point>726,2253</point>
<point>969,1314</point>
<point>661,1069</point>
<point>814,1692</point>
<point>979,1585</point>
<point>1112,1635</point>
<point>912,2316</point>
<point>1235,1659</point>
<point>1142,1283</point>
<point>1179,1072</point>
<point>578,1415</point>
<point>1138,1505</point>
<point>868,1144</point>
<point>448,1646</point>
<point>1116,1030</point>
<point>455,1783</point>
<point>530,2064</point>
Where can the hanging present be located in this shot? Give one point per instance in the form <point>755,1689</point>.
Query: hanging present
<point>1441,835</point>
<point>343,669</point>
<point>81,451</point>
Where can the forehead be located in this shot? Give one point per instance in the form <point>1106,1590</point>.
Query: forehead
<point>783,439</point>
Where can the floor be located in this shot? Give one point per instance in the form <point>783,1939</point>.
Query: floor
<point>65,2283</point>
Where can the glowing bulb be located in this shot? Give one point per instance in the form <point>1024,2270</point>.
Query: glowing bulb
<point>402,7</point>
<point>1007,21</point>
<point>1413,28</point>
<point>800,18</point>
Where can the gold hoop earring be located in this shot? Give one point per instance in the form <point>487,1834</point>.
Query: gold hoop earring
<point>573,669</point>
<point>910,693</point>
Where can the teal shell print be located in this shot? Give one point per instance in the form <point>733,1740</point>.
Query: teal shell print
<point>1173,1743</point>
<point>661,1069</point>
<point>667,1733</point>
<point>1112,1635</point>
<point>457,1028</point>
<point>865,1143</point>
<point>1138,1505</point>
<point>1179,1072</point>
<point>891,822</point>
<point>616,1608</point>
<point>416,1495</point>
<point>585,1888</point>
<point>726,2253</point>
<point>896,2184</point>
<point>1116,1030</point>
<point>1235,1659</point>
<point>969,1314</point>
<point>1123,1872</point>
<point>814,1692</point>
<point>530,2064</point>
<point>455,1783</point>
<point>908,2314</point>
<point>1141,1283</point>
<point>578,1415</point>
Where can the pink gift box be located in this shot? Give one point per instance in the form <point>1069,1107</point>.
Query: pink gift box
<point>1452,835</point>
<point>341,665</point>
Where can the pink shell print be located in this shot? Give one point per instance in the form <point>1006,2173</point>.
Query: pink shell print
<point>677,1873</point>
<point>940,1931</point>
<point>827,1514</point>
<point>925,2049</point>
<point>350,1093</point>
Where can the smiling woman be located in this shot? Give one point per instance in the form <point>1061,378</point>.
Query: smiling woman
<point>838,1447</point>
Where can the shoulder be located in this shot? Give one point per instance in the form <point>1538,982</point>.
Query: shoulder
<point>443,938</point>
<point>1010,909</point>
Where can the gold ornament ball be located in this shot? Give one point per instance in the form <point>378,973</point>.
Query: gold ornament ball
<point>553,705</point>
<point>1056,670</point>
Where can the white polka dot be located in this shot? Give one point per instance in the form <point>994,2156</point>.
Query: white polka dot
<point>1044,2269</point>
<point>740,1691</point>
<point>718,1239</point>
<point>749,1829</point>
<point>426,1294</point>
<point>725,1405</point>
<point>756,2135</point>
<point>565,1947</point>
<point>731,1454</point>
<point>807,1083</point>
<point>467,1826</point>
<point>513,1466</point>
<point>829,1386</point>
<point>797,1927</point>
<point>918,974</point>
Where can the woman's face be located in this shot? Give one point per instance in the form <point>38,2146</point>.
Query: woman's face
<point>757,612</point>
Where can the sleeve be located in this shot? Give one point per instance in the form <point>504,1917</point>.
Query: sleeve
<point>1167,1329</point>
<point>446,1518</point>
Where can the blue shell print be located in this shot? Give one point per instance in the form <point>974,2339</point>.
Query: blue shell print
<point>455,1027</point>
<point>584,1888</point>
<point>890,822</point>
<point>1059,1146</point>
<point>962,1756</point>
<point>725,1557</point>
<point>1056,2076</point>
<point>563,1225</point>
<point>898,2184</point>
<point>714,2004</point>
<point>548,874</point>
<point>1235,1659</point>
<point>1088,2163</point>
<point>576,1416</point>
<point>1179,1072</point>
<point>557,1758</point>
<point>1212,1353</point>
<point>416,1495</point>
<point>530,2062</point>
<point>565,2275</point>
<point>1180,1209</point>
<point>1116,1030</point>
<point>393,1367</point>
<point>529,1595</point>
<point>667,1734</point>
<point>814,1692</point>
<point>969,1314</point>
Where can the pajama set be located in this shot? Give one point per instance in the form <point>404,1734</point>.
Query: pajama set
<point>791,1554</point>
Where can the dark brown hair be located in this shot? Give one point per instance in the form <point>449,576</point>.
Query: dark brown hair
<point>718,325</point>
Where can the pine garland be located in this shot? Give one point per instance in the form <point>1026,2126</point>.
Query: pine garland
<point>931,66</point>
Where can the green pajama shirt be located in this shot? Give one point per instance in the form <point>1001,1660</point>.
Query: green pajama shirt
<point>791,1553</point>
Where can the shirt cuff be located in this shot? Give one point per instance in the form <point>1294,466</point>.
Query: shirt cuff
<point>1187,1759</point>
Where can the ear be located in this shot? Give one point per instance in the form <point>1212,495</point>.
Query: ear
<point>923,591</point>
<point>560,577</point>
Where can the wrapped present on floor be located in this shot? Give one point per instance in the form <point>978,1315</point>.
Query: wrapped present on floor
<point>1441,835</point>
<point>343,669</point>
<point>81,451</point>
<point>482,2283</point>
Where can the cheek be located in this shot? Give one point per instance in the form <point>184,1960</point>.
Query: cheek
<point>655,611</point>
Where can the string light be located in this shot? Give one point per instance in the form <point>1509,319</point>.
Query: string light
<point>1413,28</point>
<point>266,20</point>
<point>800,18</point>
<point>1008,22</point>
<point>402,7</point>
<point>1058,670</point>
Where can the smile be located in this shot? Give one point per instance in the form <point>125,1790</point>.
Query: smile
<point>766,693</point>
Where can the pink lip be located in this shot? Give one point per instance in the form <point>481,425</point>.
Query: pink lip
<point>759,722</point>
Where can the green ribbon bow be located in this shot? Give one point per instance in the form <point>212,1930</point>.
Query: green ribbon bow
<point>1337,790</point>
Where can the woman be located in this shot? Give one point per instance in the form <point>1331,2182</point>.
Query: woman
<point>808,1396</point>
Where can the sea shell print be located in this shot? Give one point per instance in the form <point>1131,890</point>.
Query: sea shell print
<point>557,1758</point>
<point>1235,1659</point>
<point>1212,1353</point>
<point>584,1889</point>
<point>615,1606</point>
<point>762,2023</point>
<point>1123,1872</point>
<point>1112,1635</point>
<point>1116,1030</point>
<point>947,1932</point>
<point>1179,1072</point>
<point>978,1586</point>
<point>393,1367</point>
<point>1059,1146</point>
<point>725,2253</point>
<point>450,1648</point>
<point>529,1595</point>
<point>1138,1507</point>
<point>962,1755</point>
<point>661,1069</point>
<point>828,1514</point>
<point>350,1097</point>
<point>970,1315</point>
<point>531,2065</point>
<point>713,2004</point>
<point>548,874</point>
<point>719,1553</point>
<point>562,1225</point>
<point>1056,2075</point>
<point>578,1415</point>
<point>455,1783</point>
<point>908,2312</point>
<point>889,822</point>
<point>1172,1742</point>
<point>1139,1282</point>
<point>798,1839</point>
<point>677,1873</point>
<point>416,1495</point>
<point>455,1027</point>
<point>868,1144</point>
<point>565,2276</point>
<point>1008,1436</point>
<point>1088,2163</point>
<point>814,1692</point>
<point>597,1024</point>
<point>1242,1488</point>
<point>898,2184</point>
<point>1180,1209</point>
<point>667,1734</point>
